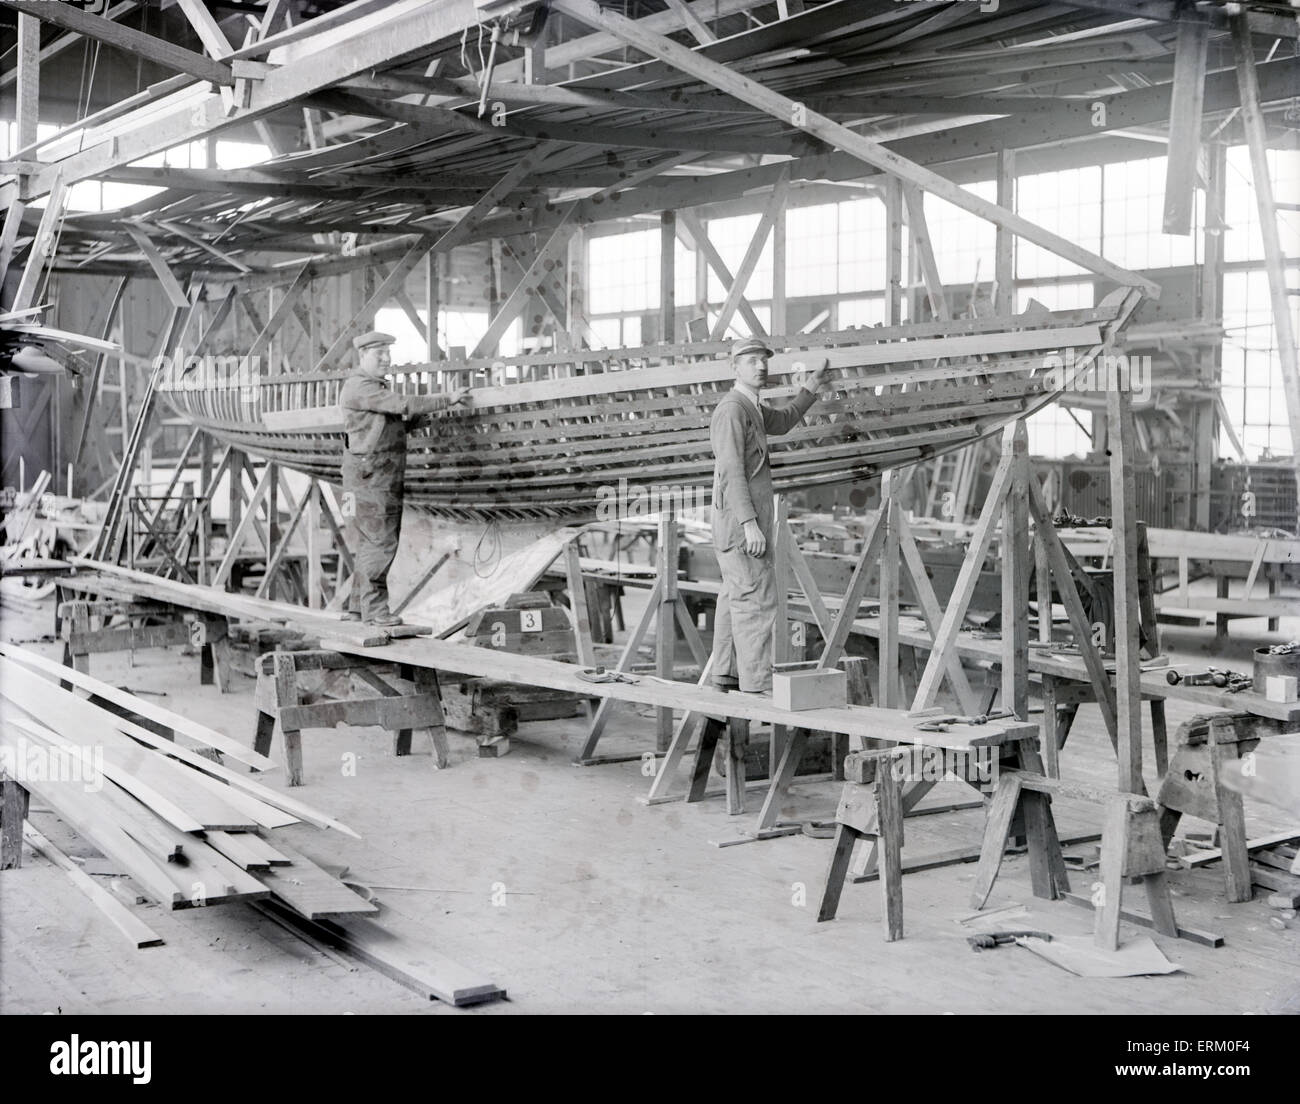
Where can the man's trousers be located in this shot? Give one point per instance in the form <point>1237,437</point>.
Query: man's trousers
<point>376,483</point>
<point>745,620</point>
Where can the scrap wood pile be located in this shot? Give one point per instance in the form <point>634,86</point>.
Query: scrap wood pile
<point>190,831</point>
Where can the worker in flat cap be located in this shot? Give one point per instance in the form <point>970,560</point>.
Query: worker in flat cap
<point>374,466</point>
<point>742,515</point>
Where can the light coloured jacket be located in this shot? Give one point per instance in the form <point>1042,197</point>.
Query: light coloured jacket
<point>375,415</point>
<point>742,479</point>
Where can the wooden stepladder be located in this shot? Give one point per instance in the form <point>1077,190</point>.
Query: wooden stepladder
<point>409,699</point>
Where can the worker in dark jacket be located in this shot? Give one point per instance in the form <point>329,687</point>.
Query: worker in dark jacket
<point>374,467</point>
<point>742,517</point>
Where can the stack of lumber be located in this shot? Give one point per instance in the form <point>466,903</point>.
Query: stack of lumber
<point>190,831</point>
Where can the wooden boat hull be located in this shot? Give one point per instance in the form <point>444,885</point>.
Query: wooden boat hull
<point>571,433</point>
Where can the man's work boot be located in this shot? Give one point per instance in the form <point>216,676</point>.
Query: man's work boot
<point>385,620</point>
<point>351,615</point>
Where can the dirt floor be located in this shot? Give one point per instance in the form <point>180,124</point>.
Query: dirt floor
<point>560,884</point>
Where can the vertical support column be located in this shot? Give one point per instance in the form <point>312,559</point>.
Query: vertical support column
<point>1015,579</point>
<point>1124,523</point>
<point>1205,430</point>
<point>203,522</point>
<point>890,692</point>
<point>312,520</point>
<point>1274,259</point>
<point>1004,267</point>
<point>781,650</point>
<point>431,306</point>
<point>893,252</point>
<point>29,84</point>
<point>779,321</point>
<point>272,529</point>
<point>235,511</point>
<point>666,625</point>
<point>668,277</point>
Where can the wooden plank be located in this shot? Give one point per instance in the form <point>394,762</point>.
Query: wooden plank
<point>310,891</point>
<point>234,846</point>
<point>42,247</point>
<point>53,716</point>
<point>1186,101</point>
<point>89,816</point>
<point>840,137</point>
<point>179,724</point>
<point>1128,659</point>
<point>409,963</point>
<point>1192,935</point>
<point>211,35</point>
<point>137,932</point>
<point>240,785</point>
<point>605,384</point>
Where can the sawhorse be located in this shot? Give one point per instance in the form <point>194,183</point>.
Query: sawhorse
<point>883,785</point>
<point>204,632</point>
<point>1130,847</point>
<point>399,709</point>
<point>1193,786</point>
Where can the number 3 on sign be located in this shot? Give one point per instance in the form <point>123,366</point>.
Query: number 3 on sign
<point>530,621</point>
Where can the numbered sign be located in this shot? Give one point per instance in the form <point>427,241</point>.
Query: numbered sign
<point>530,620</point>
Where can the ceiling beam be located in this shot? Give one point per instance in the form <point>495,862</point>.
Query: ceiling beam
<point>61,43</point>
<point>408,29</point>
<point>865,150</point>
<point>116,35</point>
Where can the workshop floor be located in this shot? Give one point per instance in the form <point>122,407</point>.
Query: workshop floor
<point>559,884</point>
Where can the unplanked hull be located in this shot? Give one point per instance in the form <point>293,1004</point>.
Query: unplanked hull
<point>572,433</point>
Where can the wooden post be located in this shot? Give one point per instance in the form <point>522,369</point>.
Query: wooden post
<point>29,83</point>
<point>315,596</point>
<point>779,320</point>
<point>13,810</point>
<point>666,634</point>
<point>668,277</point>
<point>890,694</point>
<point>1275,260</point>
<point>1004,265</point>
<point>431,306</point>
<point>1124,528</point>
<point>1185,122</point>
<point>1015,579</point>
<point>893,251</point>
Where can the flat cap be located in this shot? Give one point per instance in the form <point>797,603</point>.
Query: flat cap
<point>744,345</point>
<point>374,337</point>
